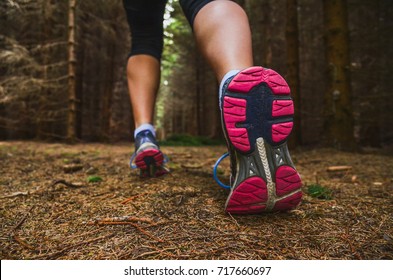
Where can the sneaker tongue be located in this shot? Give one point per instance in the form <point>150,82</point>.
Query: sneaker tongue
<point>144,133</point>
<point>145,136</point>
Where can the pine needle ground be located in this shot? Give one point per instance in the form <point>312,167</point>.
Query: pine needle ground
<point>50,212</point>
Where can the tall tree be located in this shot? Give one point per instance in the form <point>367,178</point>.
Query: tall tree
<point>259,13</point>
<point>71,123</point>
<point>45,91</point>
<point>339,122</point>
<point>292,38</point>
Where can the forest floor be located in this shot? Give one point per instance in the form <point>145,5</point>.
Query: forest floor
<point>83,202</point>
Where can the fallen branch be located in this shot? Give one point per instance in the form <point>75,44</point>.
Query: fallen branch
<point>20,241</point>
<point>192,166</point>
<point>40,190</point>
<point>105,222</point>
<point>157,224</point>
<point>59,253</point>
<point>21,221</point>
<point>142,231</point>
<point>121,219</point>
<point>67,184</point>
<point>339,168</point>
<point>71,168</point>
<point>15,237</point>
<point>15,194</point>
<point>134,196</point>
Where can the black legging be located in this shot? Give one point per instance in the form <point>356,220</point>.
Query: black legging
<point>145,18</point>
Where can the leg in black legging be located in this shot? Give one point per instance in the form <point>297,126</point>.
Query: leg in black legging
<point>145,18</point>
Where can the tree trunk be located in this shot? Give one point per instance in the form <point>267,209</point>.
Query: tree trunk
<point>339,123</point>
<point>106,112</point>
<point>385,81</point>
<point>71,121</point>
<point>292,38</point>
<point>260,18</point>
<point>80,72</point>
<point>267,36</point>
<point>41,126</point>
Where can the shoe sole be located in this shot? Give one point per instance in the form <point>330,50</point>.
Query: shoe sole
<point>150,162</point>
<point>257,113</point>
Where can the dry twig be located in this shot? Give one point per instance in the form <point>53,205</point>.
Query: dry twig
<point>21,221</point>
<point>16,238</point>
<point>67,184</point>
<point>121,219</point>
<point>15,194</point>
<point>133,197</point>
<point>339,168</point>
<point>60,252</point>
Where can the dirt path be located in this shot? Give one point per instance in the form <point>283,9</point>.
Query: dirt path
<point>49,210</point>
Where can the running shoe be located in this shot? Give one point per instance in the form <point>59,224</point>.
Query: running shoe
<point>257,118</point>
<point>147,157</point>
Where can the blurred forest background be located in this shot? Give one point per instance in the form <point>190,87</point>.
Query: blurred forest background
<point>62,70</point>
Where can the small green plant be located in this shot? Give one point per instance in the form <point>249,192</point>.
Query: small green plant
<point>320,192</point>
<point>94,179</point>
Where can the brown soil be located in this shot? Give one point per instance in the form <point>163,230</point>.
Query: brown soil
<point>50,211</point>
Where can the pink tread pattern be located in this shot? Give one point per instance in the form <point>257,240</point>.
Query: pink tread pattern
<point>287,180</point>
<point>281,131</point>
<point>288,202</point>
<point>247,79</point>
<point>248,197</point>
<point>156,154</point>
<point>235,112</point>
<point>282,108</point>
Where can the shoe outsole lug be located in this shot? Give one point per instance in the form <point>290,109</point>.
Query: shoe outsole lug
<point>281,131</point>
<point>249,197</point>
<point>150,162</point>
<point>234,113</point>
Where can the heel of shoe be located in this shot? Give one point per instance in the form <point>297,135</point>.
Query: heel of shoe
<point>287,188</point>
<point>150,162</point>
<point>249,197</point>
<point>257,115</point>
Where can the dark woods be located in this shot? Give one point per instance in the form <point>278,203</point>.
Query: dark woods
<point>62,70</point>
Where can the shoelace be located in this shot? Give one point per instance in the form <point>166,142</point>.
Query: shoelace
<point>133,166</point>
<point>215,171</point>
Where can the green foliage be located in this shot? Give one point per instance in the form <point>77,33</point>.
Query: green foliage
<point>94,179</point>
<point>189,140</point>
<point>320,192</point>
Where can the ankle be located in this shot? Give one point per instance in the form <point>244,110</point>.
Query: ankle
<point>145,126</point>
<point>226,77</point>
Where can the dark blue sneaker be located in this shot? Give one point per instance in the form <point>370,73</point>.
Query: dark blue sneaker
<point>148,157</point>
